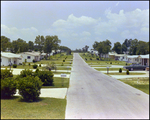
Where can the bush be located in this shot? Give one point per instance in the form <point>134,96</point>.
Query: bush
<point>127,72</point>
<point>33,61</point>
<point>85,59</point>
<point>35,66</point>
<point>6,73</point>
<point>29,88</point>
<point>24,63</point>
<point>120,70</point>
<point>29,64</point>
<point>63,60</point>
<point>97,58</point>
<point>46,77</point>
<point>8,87</point>
<point>14,65</point>
<point>110,62</point>
<point>39,65</point>
<point>126,64</point>
<point>25,73</point>
<point>62,64</point>
<point>90,58</point>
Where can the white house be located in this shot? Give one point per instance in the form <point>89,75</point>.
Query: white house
<point>121,57</point>
<point>94,52</point>
<point>133,59</point>
<point>42,55</point>
<point>30,56</point>
<point>7,58</point>
<point>144,59</point>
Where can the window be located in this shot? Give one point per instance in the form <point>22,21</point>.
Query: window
<point>28,57</point>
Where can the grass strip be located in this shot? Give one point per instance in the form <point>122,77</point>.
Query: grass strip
<point>139,83</point>
<point>45,108</point>
<point>124,73</point>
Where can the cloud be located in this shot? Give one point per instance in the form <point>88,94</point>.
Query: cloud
<point>23,33</point>
<point>117,3</point>
<point>73,22</point>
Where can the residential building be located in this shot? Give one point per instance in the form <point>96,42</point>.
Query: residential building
<point>10,58</point>
<point>30,56</point>
<point>144,59</point>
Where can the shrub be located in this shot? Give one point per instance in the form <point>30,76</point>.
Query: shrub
<point>25,73</point>
<point>120,70</point>
<point>20,63</point>
<point>14,65</point>
<point>97,58</point>
<point>39,65</point>
<point>29,64</point>
<point>90,58</point>
<point>63,60</point>
<point>127,72</point>
<point>62,64</point>
<point>33,61</point>
<point>46,77</point>
<point>110,62</point>
<point>126,64</point>
<point>8,87</point>
<point>85,58</point>
<point>24,63</point>
<point>29,88</point>
<point>35,66</point>
<point>6,73</point>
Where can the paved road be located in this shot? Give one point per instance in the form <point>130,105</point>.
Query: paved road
<point>93,94</point>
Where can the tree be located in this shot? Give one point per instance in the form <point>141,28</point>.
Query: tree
<point>142,48</point>
<point>5,43</point>
<point>39,41</point>
<point>86,48</point>
<point>31,45</point>
<point>107,47</point>
<point>95,45</point>
<point>100,49</point>
<point>19,45</point>
<point>126,45</point>
<point>117,47</point>
<point>51,42</point>
<point>133,47</point>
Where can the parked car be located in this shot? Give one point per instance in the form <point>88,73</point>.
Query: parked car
<point>135,67</point>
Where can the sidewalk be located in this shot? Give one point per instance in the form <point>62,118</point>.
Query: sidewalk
<point>51,92</point>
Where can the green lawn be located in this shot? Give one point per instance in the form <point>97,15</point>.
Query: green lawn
<point>110,69</point>
<point>58,83</point>
<point>45,108</point>
<point>141,83</point>
<point>124,73</point>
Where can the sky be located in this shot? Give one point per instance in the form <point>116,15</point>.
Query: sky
<point>76,23</point>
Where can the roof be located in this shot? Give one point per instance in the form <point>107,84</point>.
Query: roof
<point>145,56</point>
<point>43,53</point>
<point>10,55</point>
<point>119,55</point>
<point>31,53</point>
<point>133,56</point>
<point>112,53</point>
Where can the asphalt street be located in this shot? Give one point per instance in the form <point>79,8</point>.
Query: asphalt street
<point>92,94</point>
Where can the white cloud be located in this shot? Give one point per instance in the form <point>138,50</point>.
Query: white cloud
<point>85,33</point>
<point>126,34</point>
<point>117,3</point>
<point>24,33</point>
<point>144,30</point>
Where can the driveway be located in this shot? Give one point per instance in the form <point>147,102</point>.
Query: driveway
<point>92,94</point>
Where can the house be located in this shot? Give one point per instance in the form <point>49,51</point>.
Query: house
<point>30,56</point>
<point>112,55</point>
<point>121,57</point>
<point>42,55</point>
<point>94,52</point>
<point>144,59</point>
<point>7,58</point>
<point>133,59</point>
